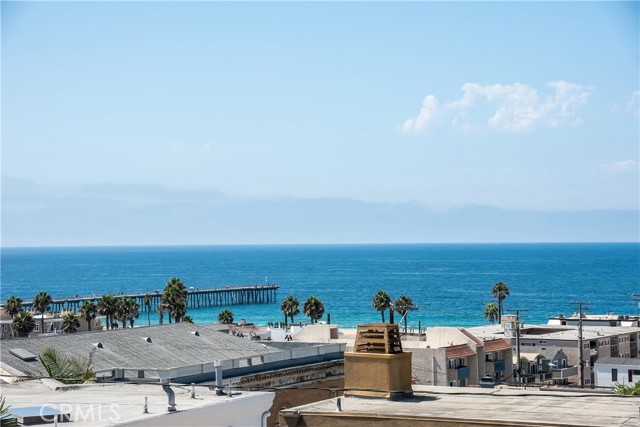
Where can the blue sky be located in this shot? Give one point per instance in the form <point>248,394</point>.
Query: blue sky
<point>516,106</point>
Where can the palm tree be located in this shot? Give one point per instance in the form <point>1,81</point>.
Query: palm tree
<point>13,305</point>
<point>381,302</point>
<point>174,298</point>
<point>402,305</point>
<point>160,310</point>
<point>87,312</point>
<point>313,308</point>
<point>491,312</point>
<point>225,317</point>
<point>126,311</point>
<point>627,389</point>
<point>107,308</point>
<point>290,306</point>
<point>23,323</point>
<point>500,291</point>
<point>69,370</point>
<point>179,310</point>
<point>147,306</point>
<point>6,419</point>
<point>187,319</point>
<point>41,303</point>
<point>70,323</point>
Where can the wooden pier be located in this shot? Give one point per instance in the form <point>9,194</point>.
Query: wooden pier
<point>196,298</point>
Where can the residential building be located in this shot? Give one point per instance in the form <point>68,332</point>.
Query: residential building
<point>609,371</point>
<point>377,369</point>
<point>457,358</point>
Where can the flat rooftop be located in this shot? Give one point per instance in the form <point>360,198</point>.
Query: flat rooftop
<point>432,405</point>
<point>109,404</point>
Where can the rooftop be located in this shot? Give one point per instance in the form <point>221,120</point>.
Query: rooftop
<point>434,405</point>
<point>150,347</point>
<point>108,404</point>
<point>631,361</point>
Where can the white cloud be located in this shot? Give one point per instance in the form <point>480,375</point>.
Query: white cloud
<point>619,167</point>
<point>430,107</point>
<point>510,108</point>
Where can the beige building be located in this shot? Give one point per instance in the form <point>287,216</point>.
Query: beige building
<point>457,358</point>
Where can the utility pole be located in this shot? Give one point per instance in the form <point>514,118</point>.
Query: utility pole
<point>580,306</point>
<point>519,371</point>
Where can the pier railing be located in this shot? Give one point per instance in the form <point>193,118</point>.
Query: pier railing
<point>196,298</point>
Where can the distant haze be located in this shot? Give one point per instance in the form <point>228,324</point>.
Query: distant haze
<point>138,215</point>
<point>204,122</point>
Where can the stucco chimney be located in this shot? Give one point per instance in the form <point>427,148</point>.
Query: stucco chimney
<point>377,366</point>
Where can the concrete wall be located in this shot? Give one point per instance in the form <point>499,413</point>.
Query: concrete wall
<point>430,366</point>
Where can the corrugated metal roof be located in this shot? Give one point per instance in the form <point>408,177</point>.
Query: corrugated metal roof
<point>172,345</point>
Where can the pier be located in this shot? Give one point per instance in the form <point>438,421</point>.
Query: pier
<point>196,298</point>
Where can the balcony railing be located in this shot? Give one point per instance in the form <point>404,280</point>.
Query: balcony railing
<point>559,374</point>
<point>498,366</point>
<point>593,352</point>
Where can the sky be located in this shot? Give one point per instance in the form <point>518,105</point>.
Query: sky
<point>110,109</point>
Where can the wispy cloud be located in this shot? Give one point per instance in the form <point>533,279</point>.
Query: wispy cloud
<point>622,166</point>
<point>634,103</point>
<point>509,108</point>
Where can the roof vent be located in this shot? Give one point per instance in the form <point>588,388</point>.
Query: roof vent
<point>98,345</point>
<point>147,339</point>
<point>22,354</point>
<point>196,333</point>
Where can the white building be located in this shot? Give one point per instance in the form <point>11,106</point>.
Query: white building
<point>124,404</point>
<point>609,371</point>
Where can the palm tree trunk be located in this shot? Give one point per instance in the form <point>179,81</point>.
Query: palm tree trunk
<point>382,312</point>
<point>42,323</point>
<point>149,315</point>
<point>405,322</point>
<point>499,311</point>
<point>286,320</point>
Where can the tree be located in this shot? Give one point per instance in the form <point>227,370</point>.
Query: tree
<point>160,310</point>
<point>23,323</point>
<point>88,312</point>
<point>13,305</point>
<point>500,291</point>
<point>126,311</point>
<point>381,302</point>
<point>41,303</point>
<point>174,299</point>
<point>225,317</point>
<point>147,306</point>
<point>402,305</point>
<point>187,319</point>
<point>107,307</point>
<point>491,312</point>
<point>313,308</point>
<point>6,419</point>
<point>70,323</point>
<point>290,306</point>
<point>68,370</point>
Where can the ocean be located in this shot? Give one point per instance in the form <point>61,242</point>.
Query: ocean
<point>449,283</point>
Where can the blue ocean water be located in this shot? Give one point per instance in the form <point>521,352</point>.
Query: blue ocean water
<point>450,283</point>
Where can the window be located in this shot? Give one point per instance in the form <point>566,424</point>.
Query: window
<point>452,363</point>
<point>614,374</point>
